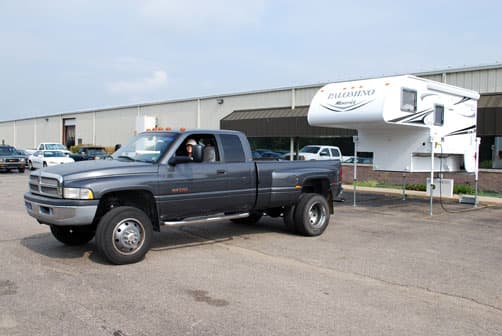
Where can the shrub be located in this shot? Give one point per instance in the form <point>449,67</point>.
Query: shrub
<point>463,189</point>
<point>416,187</point>
<point>486,164</point>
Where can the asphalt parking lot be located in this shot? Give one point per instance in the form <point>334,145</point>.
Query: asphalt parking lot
<point>384,267</point>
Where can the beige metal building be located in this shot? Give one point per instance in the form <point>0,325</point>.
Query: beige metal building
<point>266,113</point>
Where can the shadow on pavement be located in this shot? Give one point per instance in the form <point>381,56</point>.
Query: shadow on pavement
<point>169,238</point>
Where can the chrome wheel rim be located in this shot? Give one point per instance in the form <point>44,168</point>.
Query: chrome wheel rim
<point>317,215</point>
<point>128,236</point>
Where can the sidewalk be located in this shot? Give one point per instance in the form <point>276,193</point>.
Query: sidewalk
<point>481,199</point>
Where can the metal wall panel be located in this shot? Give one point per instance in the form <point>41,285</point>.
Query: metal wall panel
<point>482,81</point>
<point>212,114</point>
<point>7,133</point>
<point>26,131</point>
<point>174,115</point>
<point>491,81</point>
<point>115,126</point>
<point>437,78</point>
<point>304,96</point>
<point>48,130</point>
<point>84,127</point>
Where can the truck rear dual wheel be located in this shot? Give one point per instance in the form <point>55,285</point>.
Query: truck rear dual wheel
<point>309,217</point>
<point>72,235</point>
<point>124,235</point>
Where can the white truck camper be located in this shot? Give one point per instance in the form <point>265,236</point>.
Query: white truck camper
<point>410,124</point>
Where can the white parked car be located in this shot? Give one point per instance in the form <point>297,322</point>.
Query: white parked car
<point>52,146</point>
<point>318,152</point>
<point>45,158</point>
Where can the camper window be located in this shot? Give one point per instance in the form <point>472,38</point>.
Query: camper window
<point>408,100</point>
<point>438,115</point>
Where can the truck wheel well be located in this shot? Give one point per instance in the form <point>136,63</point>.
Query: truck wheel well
<point>321,187</point>
<point>140,199</point>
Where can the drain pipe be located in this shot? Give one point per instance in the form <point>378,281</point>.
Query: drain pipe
<point>431,186</point>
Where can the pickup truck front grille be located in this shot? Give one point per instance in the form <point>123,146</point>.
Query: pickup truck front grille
<point>45,185</point>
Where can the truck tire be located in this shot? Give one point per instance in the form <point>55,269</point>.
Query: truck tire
<point>254,217</point>
<point>72,235</point>
<point>21,170</point>
<point>124,235</point>
<point>311,215</point>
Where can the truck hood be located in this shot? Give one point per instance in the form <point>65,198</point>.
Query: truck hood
<point>101,168</point>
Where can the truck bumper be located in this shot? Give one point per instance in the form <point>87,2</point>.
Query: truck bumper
<point>59,211</point>
<point>14,165</point>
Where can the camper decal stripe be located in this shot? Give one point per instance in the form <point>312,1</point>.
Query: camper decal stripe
<point>417,117</point>
<point>466,130</point>
<point>463,100</point>
<point>337,108</point>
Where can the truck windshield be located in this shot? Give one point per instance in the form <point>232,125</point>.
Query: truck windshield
<point>310,149</point>
<point>7,151</point>
<point>55,147</point>
<point>145,147</point>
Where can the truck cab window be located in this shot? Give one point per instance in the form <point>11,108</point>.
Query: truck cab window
<point>209,147</point>
<point>232,148</point>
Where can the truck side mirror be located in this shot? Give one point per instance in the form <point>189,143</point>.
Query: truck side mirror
<point>197,153</point>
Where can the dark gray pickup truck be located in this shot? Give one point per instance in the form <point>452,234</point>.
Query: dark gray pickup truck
<point>178,178</point>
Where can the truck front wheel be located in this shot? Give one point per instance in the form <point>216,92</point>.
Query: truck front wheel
<point>312,215</point>
<point>72,235</point>
<point>124,235</point>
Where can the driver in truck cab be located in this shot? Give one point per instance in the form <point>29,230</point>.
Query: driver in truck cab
<point>189,144</point>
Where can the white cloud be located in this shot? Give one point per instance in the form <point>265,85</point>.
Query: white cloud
<point>155,81</point>
<point>196,14</point>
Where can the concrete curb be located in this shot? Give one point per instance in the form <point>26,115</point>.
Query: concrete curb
<point>421,194</point>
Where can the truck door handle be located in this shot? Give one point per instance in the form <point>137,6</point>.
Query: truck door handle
<point>221,172</point>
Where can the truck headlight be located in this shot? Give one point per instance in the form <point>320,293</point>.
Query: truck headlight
<point>78,193</point>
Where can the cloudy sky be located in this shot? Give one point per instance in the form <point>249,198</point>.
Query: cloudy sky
<point>59,56</point>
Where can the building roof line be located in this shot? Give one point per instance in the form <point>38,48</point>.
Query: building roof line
<point>278,89</point>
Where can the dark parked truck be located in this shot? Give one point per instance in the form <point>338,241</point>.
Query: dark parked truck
<point>178,178</point>
<point>90,153</point>
<point>11,159</point>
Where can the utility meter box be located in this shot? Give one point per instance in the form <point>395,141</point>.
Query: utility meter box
<point>443,187</point>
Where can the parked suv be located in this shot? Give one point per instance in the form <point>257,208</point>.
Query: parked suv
<point>90,153</point>
<point>10,159</point>
<point>318,152</point>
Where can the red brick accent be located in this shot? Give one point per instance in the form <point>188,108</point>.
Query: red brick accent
<point>489,179</point>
